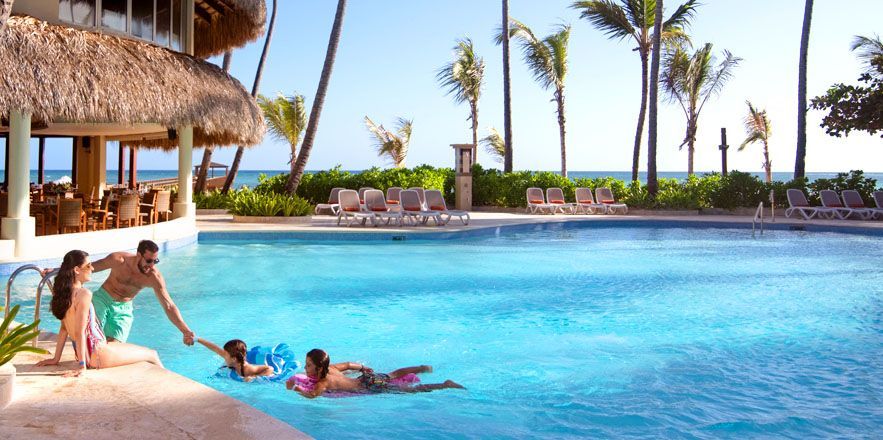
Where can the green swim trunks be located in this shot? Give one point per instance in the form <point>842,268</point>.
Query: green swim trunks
<point>115,317</point>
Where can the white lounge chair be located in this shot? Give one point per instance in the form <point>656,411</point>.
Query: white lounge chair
<point>585,202</point>
<point>421,193</point>
<point>831,201</point>
<point>536,202</point>
<point>413,210</point>
<point>393,198</point>
<point>878,200</point>
<point>332,204</point>
<point>436,202</point>
<point>375,201</point>
<point>605,196</point>
<point>798,203</point>
<point>555,196</point>
<point>853,200</point>
<point>362,193</point>
<point>351,209</point>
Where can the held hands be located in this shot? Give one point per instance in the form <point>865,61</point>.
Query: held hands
<point>189,338</point>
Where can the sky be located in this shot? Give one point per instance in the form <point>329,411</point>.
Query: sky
<point>390,51</point>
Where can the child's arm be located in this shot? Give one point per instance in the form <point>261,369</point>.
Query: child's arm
<point>218,350</point>
<point>349,366</point>
<point>317,390</point>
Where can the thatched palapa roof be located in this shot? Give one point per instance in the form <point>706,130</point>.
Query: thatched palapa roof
<point>62,74</point>
<point>223,24</point>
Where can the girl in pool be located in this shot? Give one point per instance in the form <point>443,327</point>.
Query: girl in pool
<point>330,377</point>
<point>234,353</point>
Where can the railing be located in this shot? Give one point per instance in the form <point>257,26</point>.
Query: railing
<point>758,217</point>
<point>43,281</point>
<point>772,206</point>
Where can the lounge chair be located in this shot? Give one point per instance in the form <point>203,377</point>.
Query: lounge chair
<point>585,202</point>
<point>421,193</point>
<point>555,196</point>
<point>536,202</point>
<point>351,209</point>
<point>333,202</point>
<point>831,201</point>
<point>878,200</point>
<point>605,196</point>
<point>362,193</point>
<point>393,197</point>
<point>436,202</point>
<point>413,210</point>
<point>375,201</point>
<point>798,203</point>
<point>853,200</point>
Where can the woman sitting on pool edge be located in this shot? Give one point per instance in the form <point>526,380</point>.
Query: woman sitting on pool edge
<point>72,305</point>
<point>331,378</point>
<point>234,354</point>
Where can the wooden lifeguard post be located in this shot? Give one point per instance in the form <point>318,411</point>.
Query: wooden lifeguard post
<point>463,175</point>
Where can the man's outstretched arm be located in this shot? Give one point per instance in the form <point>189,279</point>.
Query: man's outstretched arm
<point>172,312</point>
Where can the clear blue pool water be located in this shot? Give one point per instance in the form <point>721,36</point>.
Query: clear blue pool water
<point>588,332</point>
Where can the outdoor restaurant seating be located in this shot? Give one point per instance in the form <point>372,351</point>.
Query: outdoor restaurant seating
<point>71,215</point>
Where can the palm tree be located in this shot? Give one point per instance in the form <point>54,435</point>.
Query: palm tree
<point>392,144</point>
<point>547,59</point>
<point>507,95</point>
<point>800,161</point>
<point>234,167</point>
<point>495,145</point>
<point>652,184</point>
<point>758,128</point>
<point>463,78</point>
<point>635,18</point>
<point>691,80</point>
<point>869,49</point>
<point>286,118</point>
<point>313,125</point>
<point>207,152</point>
<point>5,10</point>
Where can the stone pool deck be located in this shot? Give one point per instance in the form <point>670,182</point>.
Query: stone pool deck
<point>143,401</point>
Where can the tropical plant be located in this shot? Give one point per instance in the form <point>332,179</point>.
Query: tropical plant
<point>495,145</point>
<point>856,107</point>
<point>800,160</point>
<point>507,93</point>
<point>237,158</point>
<point>202,172</point>
<point>392,144</point>
<point>213,199</point>
<point>758,129</point>
<point>547,60</point>
<point>286,118</point>
<point>634,19</point>
<point>13,341</point>
<point>463,78</point>
<point>653,95</point>
<point>691,80</point>
<point>252,203</point>
<point>313,125</point>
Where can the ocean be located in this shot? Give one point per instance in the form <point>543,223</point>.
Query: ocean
<point>250,177</point>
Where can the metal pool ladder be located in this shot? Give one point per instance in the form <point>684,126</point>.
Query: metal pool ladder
<point>45,280</point>
<point>758,217</point>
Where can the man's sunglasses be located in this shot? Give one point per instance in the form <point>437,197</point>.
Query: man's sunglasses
<point>151,260</point>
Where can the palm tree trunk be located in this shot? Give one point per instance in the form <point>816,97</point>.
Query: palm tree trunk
<point>313,125</point>
<point>652,184</point>
<point>207,153</point>
<point>234,168</point>
<point>636,155</point>
<point>559,96</point>
<point>474,107</point>
<point>5,10</point>
<point>692,124</point>
<point>507,95</point>
<point>800,161</point>
<point>767,166</point>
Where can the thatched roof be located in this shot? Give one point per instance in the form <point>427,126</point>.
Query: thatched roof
<point>223,24</point>
<point>62,74</point>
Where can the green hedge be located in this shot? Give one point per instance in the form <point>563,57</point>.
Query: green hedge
<point>212,200</point>
<point>492,187</point>
<point>252,203</point>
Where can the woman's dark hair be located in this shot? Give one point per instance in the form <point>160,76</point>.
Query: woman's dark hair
<point>321,361</point>
<point>62,290</point>
<point>236,349</point>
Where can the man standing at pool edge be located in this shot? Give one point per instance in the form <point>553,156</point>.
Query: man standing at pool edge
<point>129,274</point>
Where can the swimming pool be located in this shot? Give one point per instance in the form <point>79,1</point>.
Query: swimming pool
<point>562,333</point>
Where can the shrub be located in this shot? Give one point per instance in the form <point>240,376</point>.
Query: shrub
<point>212,200</point>
<point>855,179</point>
<point>252,203</point>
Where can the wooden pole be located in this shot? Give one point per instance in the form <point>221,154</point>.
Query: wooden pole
<point>133,172</point>
<point>121,166</point>
<point>723,147</point>
<point>6,163</point>
<point>74,162</point>
<point>41,161</point>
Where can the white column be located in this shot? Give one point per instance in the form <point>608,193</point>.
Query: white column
<point>184,206</point>
<point>19,225</point>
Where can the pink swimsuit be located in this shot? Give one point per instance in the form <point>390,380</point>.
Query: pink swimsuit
<point>94,337</point>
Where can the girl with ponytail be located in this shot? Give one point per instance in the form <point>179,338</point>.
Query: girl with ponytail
<point>234,353</point>
<point>72,305</point>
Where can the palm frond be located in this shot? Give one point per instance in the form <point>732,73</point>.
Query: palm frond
<point>495,145</point>
<point>719,76</point>
<point>286,116</point>
<point>607,17</point>
<point>538,56</point>
<point>868,49</point>
<point>393,145</point>
<point>757,126</point>
<point>463,77</point>
<point>681,16</point>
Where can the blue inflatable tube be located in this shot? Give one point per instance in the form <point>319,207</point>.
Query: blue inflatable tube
<point>281,357</point>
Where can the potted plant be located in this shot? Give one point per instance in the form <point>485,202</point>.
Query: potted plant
<point>12,342</point>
